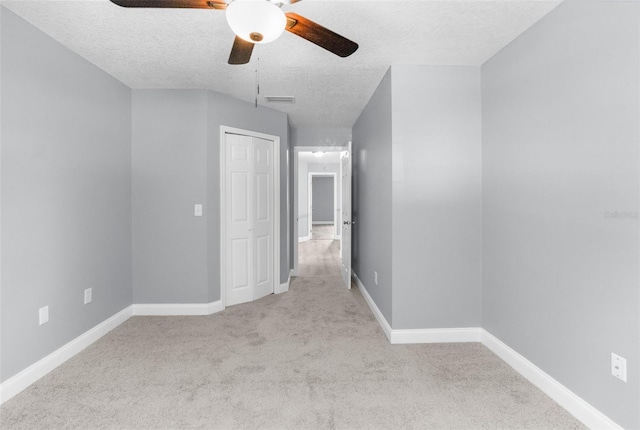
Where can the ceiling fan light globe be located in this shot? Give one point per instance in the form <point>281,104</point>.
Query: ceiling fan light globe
<point>256,21</point>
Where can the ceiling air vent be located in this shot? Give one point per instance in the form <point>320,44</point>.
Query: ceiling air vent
<point>280,99</point>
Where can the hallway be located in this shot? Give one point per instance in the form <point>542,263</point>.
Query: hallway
<point>320,255</point>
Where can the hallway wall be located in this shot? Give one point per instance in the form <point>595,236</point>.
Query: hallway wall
<point>322,198</point>
<point>417,197</point>
<point>372,184</point>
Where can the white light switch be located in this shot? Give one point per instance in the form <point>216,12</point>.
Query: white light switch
<point>197,210</point>
<point>619,367</point>
<point>44,315</point>
<point>87,296</point>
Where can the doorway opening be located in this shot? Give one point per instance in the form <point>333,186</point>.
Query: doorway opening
<point>321,216</point>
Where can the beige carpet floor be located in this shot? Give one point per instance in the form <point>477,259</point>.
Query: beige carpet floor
<point>313,358</point>
<point>322,232</point>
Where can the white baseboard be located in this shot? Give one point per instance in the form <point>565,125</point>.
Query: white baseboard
<point>284,287</point>
<point>386,328</point>
<point>583,411</point>
<point>31,374</point>
<point>304,238</point>
<point>436,335</point>
<point>574,404</point>
<point>169,309</point>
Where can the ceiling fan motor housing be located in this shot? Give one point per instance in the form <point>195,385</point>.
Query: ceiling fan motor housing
<point>256,21</point>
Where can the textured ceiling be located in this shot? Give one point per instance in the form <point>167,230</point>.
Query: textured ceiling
<point>189,48</point>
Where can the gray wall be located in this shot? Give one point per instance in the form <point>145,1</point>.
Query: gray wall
<point>320,136</point>
<point>417,197</point>
<point>560,157</point>
<point>322,199</point>
<point>169,177</point>
<point>437,201</point>
<point>371,250</point>
<point>225,110</point>
<point>66,194</point>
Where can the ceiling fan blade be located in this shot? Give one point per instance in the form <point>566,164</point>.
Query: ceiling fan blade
<point>321,36</point>
<point>188,4</point>
<point>241,51</point>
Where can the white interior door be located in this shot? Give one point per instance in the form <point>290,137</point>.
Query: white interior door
<point>239,208</point>
<point>345,172</point>
<point>263,226</point>
<point>249,218</point>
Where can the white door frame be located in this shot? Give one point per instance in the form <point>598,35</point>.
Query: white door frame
<point>297,149</point>
<point>310,198</point>
<point>346,210</point>
<point>276,202</point>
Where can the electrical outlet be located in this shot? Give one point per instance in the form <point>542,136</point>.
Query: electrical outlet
<point>197,210</point>
<point>619,367</point>
<point>43,314</point>
<point>88,295</point>
<point>375,277</point>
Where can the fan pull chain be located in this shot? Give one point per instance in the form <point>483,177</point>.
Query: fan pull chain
<point>257,80</point>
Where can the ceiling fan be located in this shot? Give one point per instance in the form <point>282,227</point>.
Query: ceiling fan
<point>258,21</point>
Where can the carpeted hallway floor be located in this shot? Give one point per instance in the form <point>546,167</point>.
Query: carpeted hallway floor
<point>313,358</point>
